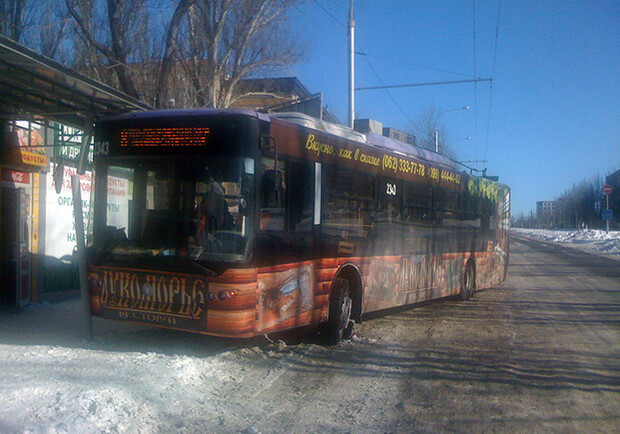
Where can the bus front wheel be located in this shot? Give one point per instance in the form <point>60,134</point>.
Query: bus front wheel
<point>469,282</point>
<point>339,323</point>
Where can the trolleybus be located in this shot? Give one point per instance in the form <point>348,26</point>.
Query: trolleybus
<point>240,223</point>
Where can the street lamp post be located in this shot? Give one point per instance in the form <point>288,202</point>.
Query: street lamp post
<point>437,122</point>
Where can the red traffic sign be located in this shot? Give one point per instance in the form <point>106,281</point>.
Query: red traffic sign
<point>607,189</point>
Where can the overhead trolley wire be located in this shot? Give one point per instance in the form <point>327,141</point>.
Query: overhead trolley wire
<point>417,65</point>
<point>499,10</point>
<point>473,79</point>
<point>385,88</point>
<point>428,83</point>
<point>330,14</point>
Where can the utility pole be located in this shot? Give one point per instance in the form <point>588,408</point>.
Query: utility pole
<point>351,34</point>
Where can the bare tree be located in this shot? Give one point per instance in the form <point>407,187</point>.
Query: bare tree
<point>13,17</point>
<point>576,206</point>
<point>171,50</point>
<point>54,25</point>
<point>217,43</point>
<point>125,21</point>
<point>424,127</point>
<point>199,54</point>
<point>86,58</point>
<point>50,25</point>
<point>41,26</point>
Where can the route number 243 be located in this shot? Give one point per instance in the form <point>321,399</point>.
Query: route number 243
<point>102,148</point>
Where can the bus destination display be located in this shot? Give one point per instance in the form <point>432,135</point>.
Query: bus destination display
<point>164,137</point>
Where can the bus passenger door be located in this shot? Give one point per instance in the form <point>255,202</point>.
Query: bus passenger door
<point>272,242</point>
<point>272,194</point>
<point>285,245</point>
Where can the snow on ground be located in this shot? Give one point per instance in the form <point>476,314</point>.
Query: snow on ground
<point>590,240</point>
<point>130,378</point>
<point>140,379</point>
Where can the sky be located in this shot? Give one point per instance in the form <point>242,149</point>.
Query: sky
<point>549,119</point>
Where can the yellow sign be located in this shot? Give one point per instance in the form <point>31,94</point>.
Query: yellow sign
<point>31,158</point>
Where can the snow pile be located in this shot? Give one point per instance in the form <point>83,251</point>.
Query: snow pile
<point>592,240</point>
<point>129,379</point>
<point>140,379</point>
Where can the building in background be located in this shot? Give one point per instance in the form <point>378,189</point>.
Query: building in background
<point>283,94</point>
<point>545,213</point>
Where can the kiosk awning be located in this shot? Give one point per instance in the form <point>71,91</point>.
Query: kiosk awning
<point>34,85</point>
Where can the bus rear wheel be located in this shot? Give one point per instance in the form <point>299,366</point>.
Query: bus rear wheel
<point>339,323</point>
<point>469,282</point>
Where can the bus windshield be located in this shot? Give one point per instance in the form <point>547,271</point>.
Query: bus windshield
<point>192,207</point>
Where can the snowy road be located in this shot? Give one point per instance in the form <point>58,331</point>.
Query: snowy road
<point>541,352</point>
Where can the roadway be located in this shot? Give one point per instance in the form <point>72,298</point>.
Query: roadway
<point>540,352</point>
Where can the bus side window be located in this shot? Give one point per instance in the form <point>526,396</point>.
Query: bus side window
<point>446,203</point>
<point>486,215</point>
<point>469,212</point>
<point>272,195</point>
<point>418,201</point>
<point>348,203</point>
